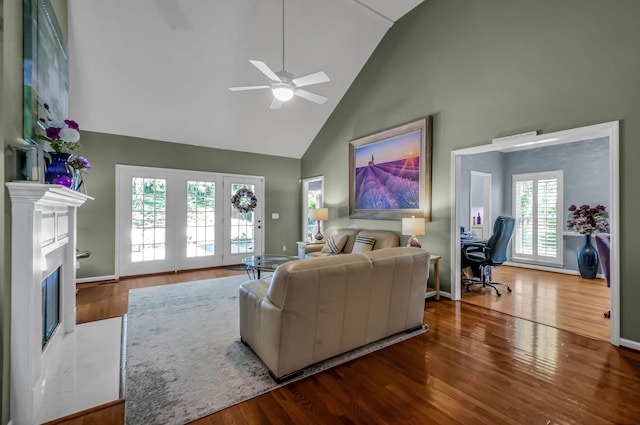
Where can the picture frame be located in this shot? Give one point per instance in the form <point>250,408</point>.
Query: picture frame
<point>28,163</point>
<point>390,172</point>
<point>46,68</point>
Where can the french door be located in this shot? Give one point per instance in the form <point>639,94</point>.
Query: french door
<point>171,220</point>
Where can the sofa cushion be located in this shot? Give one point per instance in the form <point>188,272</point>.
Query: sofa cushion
<point>335,243</point>
<point>363,244</point>
<point>384,238</point>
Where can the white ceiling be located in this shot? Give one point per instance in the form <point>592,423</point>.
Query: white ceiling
<point>160,69</point>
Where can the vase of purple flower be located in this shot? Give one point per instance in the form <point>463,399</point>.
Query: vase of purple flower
<point>78,164</point>
<point>58,170</point>
<point>588,220</point>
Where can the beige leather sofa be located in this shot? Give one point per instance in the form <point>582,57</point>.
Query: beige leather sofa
<point>317,308</point>
<point>383,239</point>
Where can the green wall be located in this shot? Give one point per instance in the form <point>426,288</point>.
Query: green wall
<point>96,219</point>
<point>491,68</point>
<point>5,295</point>
<point>10,131</point>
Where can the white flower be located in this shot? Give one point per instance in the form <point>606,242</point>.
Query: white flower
<point>69,135</point>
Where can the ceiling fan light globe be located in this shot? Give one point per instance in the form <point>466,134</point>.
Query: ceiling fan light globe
<point>282,93</point>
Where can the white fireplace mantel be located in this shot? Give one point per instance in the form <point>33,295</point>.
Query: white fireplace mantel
<point>43,238</point>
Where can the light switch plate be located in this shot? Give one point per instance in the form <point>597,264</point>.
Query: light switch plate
<point>275,216</point>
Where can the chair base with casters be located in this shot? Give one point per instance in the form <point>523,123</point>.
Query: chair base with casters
<point>485,281</point>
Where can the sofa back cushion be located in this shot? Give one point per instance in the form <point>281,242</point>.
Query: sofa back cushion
<point>383,238</point>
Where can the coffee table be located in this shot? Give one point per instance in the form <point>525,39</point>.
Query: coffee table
<point>256,264</point>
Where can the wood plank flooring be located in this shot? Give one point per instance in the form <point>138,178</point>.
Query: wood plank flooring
<point>474,366</point>
<point>563,301</point>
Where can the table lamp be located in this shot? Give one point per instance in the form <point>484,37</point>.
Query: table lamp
<point>318,215</point>
<point>413,226</point>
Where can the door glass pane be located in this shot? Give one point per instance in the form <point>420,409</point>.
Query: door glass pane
<point>201,211</point>
<point>148,209</point>
<point>242,225</point>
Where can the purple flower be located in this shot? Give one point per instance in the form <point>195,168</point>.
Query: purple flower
<point>72,124</point>
<point>79,163</point>
<point>53,133</point>
<point>63,180</point>
<point>46,106</point>
<point>587,220</point>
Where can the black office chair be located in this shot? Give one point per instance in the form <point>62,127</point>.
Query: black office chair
<point>493,253</point>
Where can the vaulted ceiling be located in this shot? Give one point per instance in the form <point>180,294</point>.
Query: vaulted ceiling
<point>160,69</point>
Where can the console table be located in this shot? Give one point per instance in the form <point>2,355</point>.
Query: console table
<point>306,247</point>
<point>435,291</point>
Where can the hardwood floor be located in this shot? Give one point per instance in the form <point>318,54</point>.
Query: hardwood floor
<point>474,366</point>
<point>563,301</point>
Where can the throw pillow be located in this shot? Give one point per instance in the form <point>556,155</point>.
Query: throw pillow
<point>334,244</point>
<point>363,244</point>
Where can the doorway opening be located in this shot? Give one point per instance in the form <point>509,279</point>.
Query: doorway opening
<point>606,133</point>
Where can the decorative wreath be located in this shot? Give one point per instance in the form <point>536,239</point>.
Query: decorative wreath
<point>244,200</point>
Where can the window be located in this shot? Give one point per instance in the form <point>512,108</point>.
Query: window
<point>312,194</point>
<point>537,207</point>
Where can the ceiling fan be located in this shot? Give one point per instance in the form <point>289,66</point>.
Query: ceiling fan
<point>284,85</point>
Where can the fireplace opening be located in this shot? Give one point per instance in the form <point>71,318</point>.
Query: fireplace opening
<point>50,305</point>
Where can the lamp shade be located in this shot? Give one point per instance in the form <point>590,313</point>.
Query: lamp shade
<point>319,214</point>
<point>413,226</point>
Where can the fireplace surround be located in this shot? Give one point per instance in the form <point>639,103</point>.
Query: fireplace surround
<point>43,239</point>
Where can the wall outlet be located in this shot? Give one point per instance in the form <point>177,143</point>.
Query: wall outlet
<point>284,247</point>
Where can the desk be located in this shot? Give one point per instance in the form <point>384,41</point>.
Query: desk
<point>464,243</point>
<point>435,260</point>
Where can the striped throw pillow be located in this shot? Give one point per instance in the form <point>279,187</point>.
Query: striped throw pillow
<point>363,244</point>
<point>334,244</point>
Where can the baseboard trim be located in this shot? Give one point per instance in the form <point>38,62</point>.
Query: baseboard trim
<point>111,277</point>
<point>547,269</point>
<point>634,345</point>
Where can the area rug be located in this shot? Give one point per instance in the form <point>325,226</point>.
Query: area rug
<point>184,359</point>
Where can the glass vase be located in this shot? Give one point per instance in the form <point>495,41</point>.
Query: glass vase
<point>77,180</point>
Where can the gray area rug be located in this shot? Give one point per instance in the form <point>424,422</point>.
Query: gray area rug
<point>184,359</point>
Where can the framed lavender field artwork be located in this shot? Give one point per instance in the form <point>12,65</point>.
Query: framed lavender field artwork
<point>390,173</point>
<point>46,68</point>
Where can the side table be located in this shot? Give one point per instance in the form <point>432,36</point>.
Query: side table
<point>435,291</point>
<point>305,247</point>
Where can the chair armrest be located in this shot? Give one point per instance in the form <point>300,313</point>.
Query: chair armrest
<point>473,248</point>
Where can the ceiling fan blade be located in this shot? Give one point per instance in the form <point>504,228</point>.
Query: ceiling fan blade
<point>316,98</point>
<point>266,70</point>
<point>248,88</point>
<point>307,80</point>
<point>276,104</point>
